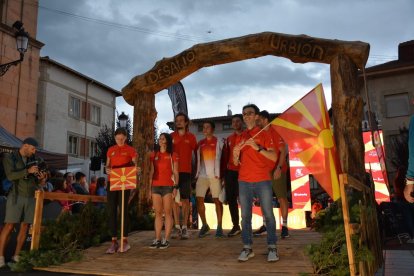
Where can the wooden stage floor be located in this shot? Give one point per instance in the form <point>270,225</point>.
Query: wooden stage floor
<point>195,256</point>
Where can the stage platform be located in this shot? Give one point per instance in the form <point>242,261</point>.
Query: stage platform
<point>195,256</point>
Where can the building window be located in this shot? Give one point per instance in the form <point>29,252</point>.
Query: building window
<point>74,107</point>
<point>73,145</point>
<point>95,114</point>
<point>93,148</point>
<point>397,105</point>
<point>227,126</point>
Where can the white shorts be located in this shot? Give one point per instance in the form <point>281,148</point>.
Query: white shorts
<point>203,184</point>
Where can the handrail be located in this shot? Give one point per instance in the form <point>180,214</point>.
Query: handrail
<point>40,196</point>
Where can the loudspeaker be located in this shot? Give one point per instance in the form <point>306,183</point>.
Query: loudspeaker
<point>95,163</point>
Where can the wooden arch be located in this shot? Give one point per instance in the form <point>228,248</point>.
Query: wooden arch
<point>344,57</point>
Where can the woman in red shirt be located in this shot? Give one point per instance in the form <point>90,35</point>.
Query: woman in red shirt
<point>119,156</point>
<point>163,179</point>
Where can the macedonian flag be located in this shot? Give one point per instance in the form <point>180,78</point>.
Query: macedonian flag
<point>305,128</point>
<point>123,179</point>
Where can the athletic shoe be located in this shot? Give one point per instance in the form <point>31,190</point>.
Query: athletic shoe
<point>113,248</point>
<point>184,234</point>
<point>204,231</point>
<point>219,232</point>
<point>125,247</point>
<point>285,232</point>
<point>165,244</point>
<point>2,262</point>
<point>175,233</point>
<point>246,254</point>
<point>262,230</point>
<point>272,256</point>
<point>155,244</point>
<point>234,231</point>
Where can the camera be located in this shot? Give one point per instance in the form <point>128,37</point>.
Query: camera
<point>41,165</point>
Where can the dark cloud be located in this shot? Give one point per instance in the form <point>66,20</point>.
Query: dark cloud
<point>113,41</point>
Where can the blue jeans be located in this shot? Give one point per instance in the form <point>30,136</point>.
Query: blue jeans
<point>263,191</point>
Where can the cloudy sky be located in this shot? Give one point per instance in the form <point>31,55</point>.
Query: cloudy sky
<point>113,41</point>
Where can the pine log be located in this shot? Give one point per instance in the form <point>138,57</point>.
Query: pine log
<point>143,141</point>
<point>347,109</point>
<point>297,48</point>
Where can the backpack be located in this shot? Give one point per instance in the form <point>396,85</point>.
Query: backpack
<point>5,184</point>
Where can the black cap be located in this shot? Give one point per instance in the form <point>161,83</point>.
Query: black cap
<point>31,141</point>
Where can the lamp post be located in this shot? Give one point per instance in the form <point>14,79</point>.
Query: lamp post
<point>123,119</point>
<point>22,40</point>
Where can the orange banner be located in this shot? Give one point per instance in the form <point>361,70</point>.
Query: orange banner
<point>305,127</point>
<point>123,179</point>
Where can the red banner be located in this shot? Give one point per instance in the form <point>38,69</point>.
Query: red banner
<point>123,179</point>
<point>375,165</point>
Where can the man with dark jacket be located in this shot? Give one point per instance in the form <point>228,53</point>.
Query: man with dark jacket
<point>21,169</point>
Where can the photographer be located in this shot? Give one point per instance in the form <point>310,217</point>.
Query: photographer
<point>22,169</point>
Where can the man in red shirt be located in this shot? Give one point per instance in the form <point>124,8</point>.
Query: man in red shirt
<point>256,157</point>
<point>184,144</point>
<point>231,183</point>
<point>278,173</point>
<point>119,156</point>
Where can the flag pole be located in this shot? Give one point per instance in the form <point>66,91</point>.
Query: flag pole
<point>122,217</point>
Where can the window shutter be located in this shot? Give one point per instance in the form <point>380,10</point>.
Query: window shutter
<point>82,147</point>
<point>83,110</point>
<point>88,111</point>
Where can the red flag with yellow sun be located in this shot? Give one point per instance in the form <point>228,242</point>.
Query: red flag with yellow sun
<point>123,179</point>
<point>305,127</point>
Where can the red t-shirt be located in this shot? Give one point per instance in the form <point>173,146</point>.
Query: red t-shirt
<point>278,143</point>
<point>254,166</point>
<point>121,156</point>
<point>162,168</point>
<point>232,140</point>
<point>184,146</point>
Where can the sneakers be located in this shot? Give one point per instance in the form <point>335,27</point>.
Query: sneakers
<point>155,244</point>
<point>2,262</point>
<point>184,234</point>
<point>164,244</point>
<point>285,232</point>
<point>125,247</point>
<point>113,248</point>
<point>246,254</point>
<point>176,233</point>
<point>204,231</point>
<point>273,255</point>
<point>219,232</point>
<point>262,230</point>
<point>234,231</point>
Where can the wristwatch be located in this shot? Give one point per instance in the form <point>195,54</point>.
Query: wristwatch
<point>260,149</point>
<point>176,187</point>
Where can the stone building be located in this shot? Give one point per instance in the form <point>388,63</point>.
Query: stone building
<point>18,93</point>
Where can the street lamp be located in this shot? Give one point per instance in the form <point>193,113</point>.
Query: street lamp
<point>22,40</point>
<point>123,119</point>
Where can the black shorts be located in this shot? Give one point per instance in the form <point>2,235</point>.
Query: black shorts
<point>162,190</point>
<point>184,183</point>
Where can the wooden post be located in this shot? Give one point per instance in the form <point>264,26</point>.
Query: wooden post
<point>345,212</point>
<point>37,220</point>
<point>347,116</point>
<point>143,140</point>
